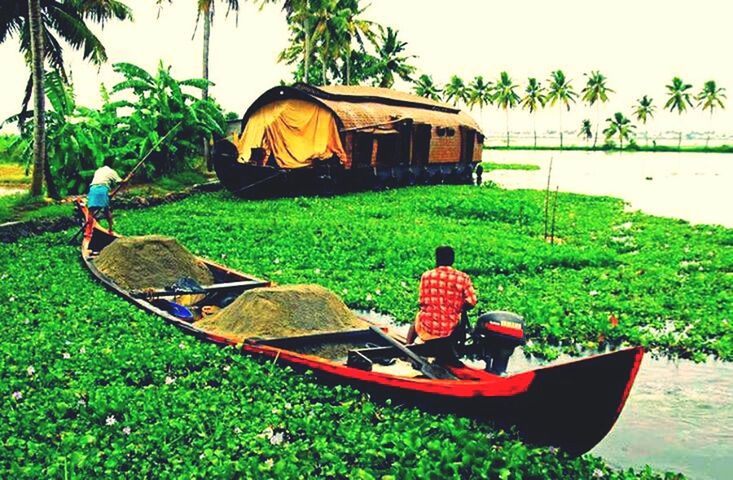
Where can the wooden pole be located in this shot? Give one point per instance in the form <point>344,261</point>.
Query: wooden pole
<point>554,212</point>
<point>139,164</point>
<point>547,197</point>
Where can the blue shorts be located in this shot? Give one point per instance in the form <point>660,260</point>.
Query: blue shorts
<point>98,196</point>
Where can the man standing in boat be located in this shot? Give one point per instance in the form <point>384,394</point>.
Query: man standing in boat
<point>444,295</point>
<point>98,198</point>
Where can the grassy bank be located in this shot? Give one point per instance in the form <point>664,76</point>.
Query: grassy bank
<point>93,387</point>
<point>24,207</point>
<point>627,148</point>
<point>509,166</point>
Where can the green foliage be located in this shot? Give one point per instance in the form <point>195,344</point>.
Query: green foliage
<point>10,150</point>
<point>161,105</point>
<point>80,138</point>
<point>94,387</point>
<point>649,272</point>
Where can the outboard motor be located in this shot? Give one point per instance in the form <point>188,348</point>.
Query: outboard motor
<point>496,335</point>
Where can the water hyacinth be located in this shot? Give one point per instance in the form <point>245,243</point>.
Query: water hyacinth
<point>31,371</point>
<point>169,380</point>
<point>127,430</point>
<point>110,420</point>
<point>17,395</point>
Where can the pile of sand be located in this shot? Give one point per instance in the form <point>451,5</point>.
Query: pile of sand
<point>151,261</point>
<point>283,311</point>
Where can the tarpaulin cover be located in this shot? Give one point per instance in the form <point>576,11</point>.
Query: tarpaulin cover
<point>297,132</point>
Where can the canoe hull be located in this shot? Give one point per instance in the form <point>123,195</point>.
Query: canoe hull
<point>571,406</point>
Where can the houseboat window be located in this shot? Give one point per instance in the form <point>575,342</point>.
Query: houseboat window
<point>450,132</point>
<point>440,131</point>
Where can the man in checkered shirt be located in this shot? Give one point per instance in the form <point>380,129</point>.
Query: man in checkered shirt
<point>444,294</point>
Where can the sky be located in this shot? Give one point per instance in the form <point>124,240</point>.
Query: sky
<point>638,45</point>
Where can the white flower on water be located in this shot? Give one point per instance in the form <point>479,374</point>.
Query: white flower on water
<point>227,368</point>
<point>404,284</point>
<point>27,321</point>
<point>30,370</point>
<point>378,291</point>
<point>82,402</point>
<point>126,430</point>
<point>288,405</point>
<point>237,430</point>
<point>276,439</point>
<point>169,380</point>
<point>66,355</point>
<point>17,395</point>
<point>598,473</point>
<point>82,350</point>
<point>277,260</point>
<point>369,297</point>
<point>223,255</point>
<point>266,433</point>
<point>181,345</point>
<point>500,288</point>
<point>345,291</point>
<point>11,299</point>
<point>269,463</point>
<point>111,420</point>
<point>593,293</point>
<point>317,271</point>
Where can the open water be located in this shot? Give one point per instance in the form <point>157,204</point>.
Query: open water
<point>697,187</point>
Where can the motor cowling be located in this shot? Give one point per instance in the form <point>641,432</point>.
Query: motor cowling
<point>497,334</point>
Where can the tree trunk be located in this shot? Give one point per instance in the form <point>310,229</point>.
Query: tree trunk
<point>679,138</point>
<point>39,108</point>
<point>306,51</point>
<point>598,122</point>
<point>560,127</point>
<point>710,130</point>
<point>506,113</point>
<point>534,128</point>
<point>205,75</point>
<point>323,70</point>
<point>348,66</point>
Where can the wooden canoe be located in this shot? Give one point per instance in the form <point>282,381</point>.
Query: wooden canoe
<point>571,405</point>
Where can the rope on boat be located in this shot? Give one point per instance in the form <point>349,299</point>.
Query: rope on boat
<point>247,187</point>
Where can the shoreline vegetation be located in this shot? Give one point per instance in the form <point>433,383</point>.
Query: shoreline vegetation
<point>613,148</point>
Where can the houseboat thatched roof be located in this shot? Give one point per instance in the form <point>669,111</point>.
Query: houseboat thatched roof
<point>360,107</point>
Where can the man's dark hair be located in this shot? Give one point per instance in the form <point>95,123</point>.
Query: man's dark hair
<point>444,256</point>
<point>108,161</point>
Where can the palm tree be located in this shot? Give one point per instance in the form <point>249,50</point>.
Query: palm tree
<point>506,97</point>
<point>480,93</point>
<point>392,60</point>
<point>455,91</point>
<point>205,9</point>
<point>560,91</point>
<point>533,100</point>
<point>596,92</point>
<point>586,130</point>
<point>330,21</point>
<point>710,96</point>
<point>356,28</point>
<point>644,111</point>
<point>621,126</point>
<point>425,87</point>
<point>41,26</point>
<point>679,99</point>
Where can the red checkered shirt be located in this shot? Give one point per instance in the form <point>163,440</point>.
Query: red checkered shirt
<point>443,293</point>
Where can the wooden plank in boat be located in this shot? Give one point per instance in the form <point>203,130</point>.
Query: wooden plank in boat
<point>217,287</point>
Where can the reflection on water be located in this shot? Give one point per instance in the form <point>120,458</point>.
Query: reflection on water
<point>678,417</point>
<point>691,186</point>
